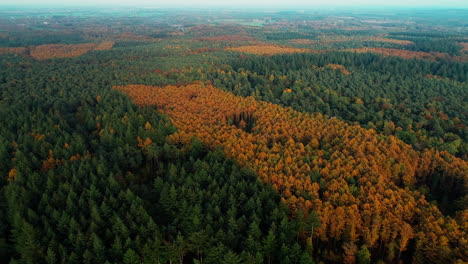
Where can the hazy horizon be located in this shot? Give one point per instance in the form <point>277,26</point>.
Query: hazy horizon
<point>244,3</point>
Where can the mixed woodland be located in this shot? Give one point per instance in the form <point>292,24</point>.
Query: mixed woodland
<point>147,136</point>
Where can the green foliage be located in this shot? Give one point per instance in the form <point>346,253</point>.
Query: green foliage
<point>363,256</point>
<point>431,41</point>
<point>131,257</point>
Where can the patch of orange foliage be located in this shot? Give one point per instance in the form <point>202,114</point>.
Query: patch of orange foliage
<point>105,45</point>
<point>37,136</point>
<point>178,33</point>
<point>288,149</point>
<point>51,51</point>
<point>12,174</point>
<point>430,76</point>
<point>268,49</point>
<point>339,67</point>
<point>75,157</point>
<point>405,54</point>
<point>464,46</point>
<point>15,50</point>
<point>144,144</point>
<point>304,41</point>
<point>388,40</point>
<point>51,163</point>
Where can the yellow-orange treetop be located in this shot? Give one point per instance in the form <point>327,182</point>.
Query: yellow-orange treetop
<point>268,49</point>
<point>50,51</point>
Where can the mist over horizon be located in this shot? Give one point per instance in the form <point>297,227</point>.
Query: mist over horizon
<point>244,3</point>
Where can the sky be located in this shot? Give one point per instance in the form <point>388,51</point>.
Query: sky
<point>246,3</point>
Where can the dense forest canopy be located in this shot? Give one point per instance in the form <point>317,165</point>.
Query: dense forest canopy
<point>193,136</point>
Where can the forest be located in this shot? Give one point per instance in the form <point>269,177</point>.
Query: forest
<point>192,136</point>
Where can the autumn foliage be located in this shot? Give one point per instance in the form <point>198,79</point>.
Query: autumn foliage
<point>12,174</point>
<point>15,50</point>
<point>361,184</point>
<point>388,40</point>
<point>268,49</point>
<point>303,41</point>
<point>339,67</point>
<point>464,46</point>
<point>51,162</point>
<point>51,51</point>
<point>430,76</point>
<point>105,45</point>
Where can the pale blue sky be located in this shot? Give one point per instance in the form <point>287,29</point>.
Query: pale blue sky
<point>257,3</point>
